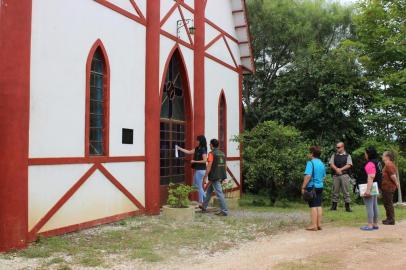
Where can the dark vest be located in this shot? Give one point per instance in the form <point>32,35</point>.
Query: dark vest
<point>363,178</point>
<point>340,161</point>
<point>218,167</point>
<point>199,156</point>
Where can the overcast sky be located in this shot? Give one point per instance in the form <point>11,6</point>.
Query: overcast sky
<point>347,1</point>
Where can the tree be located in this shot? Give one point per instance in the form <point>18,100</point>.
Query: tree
<point>381,44</point>
<point>274,160</point>
<point>305,78</point>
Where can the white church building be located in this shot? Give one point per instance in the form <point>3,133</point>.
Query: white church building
<point>94,96</point>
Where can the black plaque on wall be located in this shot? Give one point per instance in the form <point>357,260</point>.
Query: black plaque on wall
<point>128,136</point>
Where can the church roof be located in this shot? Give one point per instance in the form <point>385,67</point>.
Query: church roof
<point>241,22</point>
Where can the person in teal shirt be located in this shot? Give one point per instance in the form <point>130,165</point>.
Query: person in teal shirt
<point>315,173</point>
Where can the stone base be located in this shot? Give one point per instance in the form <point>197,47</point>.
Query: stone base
<point>178,214</point>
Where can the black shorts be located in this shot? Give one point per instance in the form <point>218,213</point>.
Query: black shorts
<point>318,199</point>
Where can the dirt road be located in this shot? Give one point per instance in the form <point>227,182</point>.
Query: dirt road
<point>332,248</point>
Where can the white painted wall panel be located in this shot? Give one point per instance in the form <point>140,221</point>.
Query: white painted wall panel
<point>235,50</point>
<point>47,184</point>
<point>166,6</point>
<point>97,198</point>
<point>210,33</point>
<point>174,25</point>
<point>220,13</point>
<point>234,167</point>
<point>190,3</point>
<point>58,64</point>
<point>131,176</point>
<point>142,5</point>
<point>124,4</point>
<point>164,50</point>
<point>218,77</point>
<point>188,56</point>
<point>220,51</point>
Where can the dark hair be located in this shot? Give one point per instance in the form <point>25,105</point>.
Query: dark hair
<point>202,141</point>
<point>214,143</point>
<point>315,151</point>
<point>371,153</point>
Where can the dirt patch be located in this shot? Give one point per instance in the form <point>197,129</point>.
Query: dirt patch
<point>333,249</point>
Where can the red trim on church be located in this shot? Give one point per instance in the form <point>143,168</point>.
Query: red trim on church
<point>15,50</point>
<point>152,108</point>
<point>199,69</point>
<point>222,102</point>
<point>106,95</point>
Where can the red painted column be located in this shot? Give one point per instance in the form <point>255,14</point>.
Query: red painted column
<point>152,108</point>
<point>199,100</point>
<point>15,44</point>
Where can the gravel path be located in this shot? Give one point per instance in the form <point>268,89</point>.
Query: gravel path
<point>332,248</point>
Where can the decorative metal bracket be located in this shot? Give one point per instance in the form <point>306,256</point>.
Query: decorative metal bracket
<point>188,23</point>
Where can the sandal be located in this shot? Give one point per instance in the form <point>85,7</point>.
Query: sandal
<point>366,228</point>
<point>311,229</point>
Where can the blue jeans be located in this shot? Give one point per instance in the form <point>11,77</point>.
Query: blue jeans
<point>198,182</point>
<point>215,186</point>
<point>371,204</point>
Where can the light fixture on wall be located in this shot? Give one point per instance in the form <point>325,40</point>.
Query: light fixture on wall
<point>183,24</point>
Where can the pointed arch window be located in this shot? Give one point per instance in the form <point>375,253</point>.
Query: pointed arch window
<point>173,122</point>
<point>222,123</point>
<point>97,104</point>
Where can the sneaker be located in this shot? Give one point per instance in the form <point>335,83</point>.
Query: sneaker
<point>221,213</point>
<point>366,228</point>
<point>375,227</point>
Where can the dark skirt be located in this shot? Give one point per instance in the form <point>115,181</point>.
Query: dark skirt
<point>316,202</point>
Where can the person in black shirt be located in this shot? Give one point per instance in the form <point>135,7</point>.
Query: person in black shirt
<point>198,164</point>
<point>341,164</point>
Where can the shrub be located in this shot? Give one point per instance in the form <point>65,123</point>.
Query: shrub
<point>179,195</point>
<point>274,160</point>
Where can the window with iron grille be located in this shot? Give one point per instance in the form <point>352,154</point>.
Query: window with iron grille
<point>97,105</point>
<point>172,124</point>
<point>222,124</point>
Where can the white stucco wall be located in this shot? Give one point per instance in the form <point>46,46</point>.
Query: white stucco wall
<point>62,34</point>
<point>96,198</point>
<point>218,77</point>
<point>220,13</point>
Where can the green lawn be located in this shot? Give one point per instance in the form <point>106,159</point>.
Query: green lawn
<point>335,218</point>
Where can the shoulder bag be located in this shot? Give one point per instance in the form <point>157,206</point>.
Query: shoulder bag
<point>308,196</point>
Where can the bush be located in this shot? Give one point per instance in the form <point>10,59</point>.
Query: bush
<point>179,195</point>
<point>274,160</point>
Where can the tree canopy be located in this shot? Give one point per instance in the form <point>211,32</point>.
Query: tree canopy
<point>334,72</point>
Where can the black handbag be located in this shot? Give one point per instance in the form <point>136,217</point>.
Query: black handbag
<point>309,196</point>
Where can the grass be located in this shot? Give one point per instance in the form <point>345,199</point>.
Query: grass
<point>336,218</point>
<point>146,240</point>
<point>320,262</point>
<point>151,239</point>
